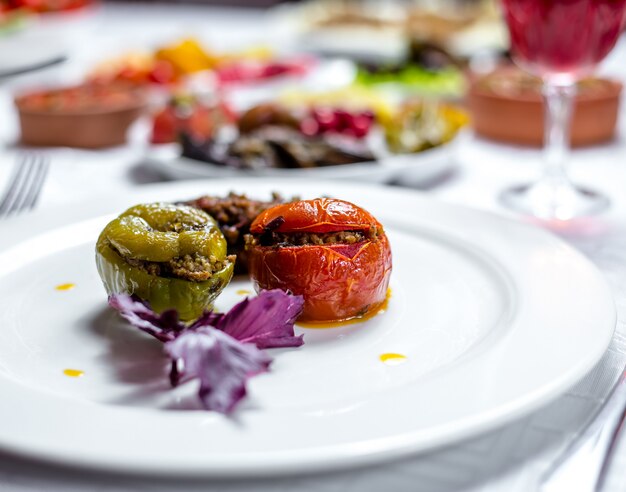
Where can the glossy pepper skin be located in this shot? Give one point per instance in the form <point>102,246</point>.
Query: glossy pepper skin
<point>159,232</point>
<point>338,281</point>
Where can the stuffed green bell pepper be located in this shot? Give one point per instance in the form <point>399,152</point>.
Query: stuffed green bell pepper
<point>172,256</point>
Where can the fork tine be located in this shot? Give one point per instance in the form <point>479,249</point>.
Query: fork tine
<point>14,187</point>
<point>25,184</point>
<point>15,172</point>
<point>37,184</point>
<point>19,203</point>
<point>10,189</point>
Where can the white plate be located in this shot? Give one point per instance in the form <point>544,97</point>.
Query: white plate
<point>409,169</point>
<point>496,318</point>
<point>26,52</point>
<point>45,41</point>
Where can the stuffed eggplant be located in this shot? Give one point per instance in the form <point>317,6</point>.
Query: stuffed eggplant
<point>333,253</point>
<point>172,256</point>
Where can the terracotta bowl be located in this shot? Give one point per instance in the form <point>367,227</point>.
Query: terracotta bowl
<point>89,129</point>
<point>507,106</point>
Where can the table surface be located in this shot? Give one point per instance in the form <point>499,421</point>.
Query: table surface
<point>508,459</point>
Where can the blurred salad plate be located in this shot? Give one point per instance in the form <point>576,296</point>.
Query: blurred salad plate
<point>313,136</point>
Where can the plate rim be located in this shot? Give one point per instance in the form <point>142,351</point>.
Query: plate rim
<point>440,159</point>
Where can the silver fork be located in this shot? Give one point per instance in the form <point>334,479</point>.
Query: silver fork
<point>25,184</point>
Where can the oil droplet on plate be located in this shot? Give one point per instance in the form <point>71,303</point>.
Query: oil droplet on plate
<point>243,292</point>
<point>392,359</point>
<point>73,373</point>
<point>65,286</point>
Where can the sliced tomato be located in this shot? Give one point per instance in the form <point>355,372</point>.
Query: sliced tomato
<point>200,124</point>
<point>164,126</point>
<point>162,73</point>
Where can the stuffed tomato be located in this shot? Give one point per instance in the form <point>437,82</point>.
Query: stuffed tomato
<point>332,252</point>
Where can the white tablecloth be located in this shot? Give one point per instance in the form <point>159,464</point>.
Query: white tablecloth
<point>509,459</point>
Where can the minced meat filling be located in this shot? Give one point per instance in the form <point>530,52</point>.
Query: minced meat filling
<point>312,238</point>
<point>195,268</point>
<point>234,213</point>
<point>198,267</point>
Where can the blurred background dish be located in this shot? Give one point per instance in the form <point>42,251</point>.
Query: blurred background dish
<point>464,28</point>
<point>87,116</point>
<point>35,34</point>
<point>427,70</point>
<point>337,134</point>
<point>183,59</point>
<point>409,170</point>
<point>373,30</point>
<point>508,96</point>
<point>361,30</point>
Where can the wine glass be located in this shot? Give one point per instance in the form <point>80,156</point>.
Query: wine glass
<point>560,41</point>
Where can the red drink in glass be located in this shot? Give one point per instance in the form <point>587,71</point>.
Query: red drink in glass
<point>563,38</point>
<point>561,41</point>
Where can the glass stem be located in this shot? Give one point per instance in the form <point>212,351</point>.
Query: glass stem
<point>559,105</point>
<point>554,196</point>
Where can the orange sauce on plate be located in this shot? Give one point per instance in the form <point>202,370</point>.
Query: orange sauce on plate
<point>392,359</point>
<point>73,373</point>
<point>65,286</point>
<point>337,324</point>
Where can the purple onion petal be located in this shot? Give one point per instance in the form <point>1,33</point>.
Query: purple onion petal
<point>164,327</point>
<point>221,350</point>
<point>222,364</point>
<point>175,373</point>
<point>266,320</point>
<point>208,318</point>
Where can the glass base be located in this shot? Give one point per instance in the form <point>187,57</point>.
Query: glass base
<point>549,201</point>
